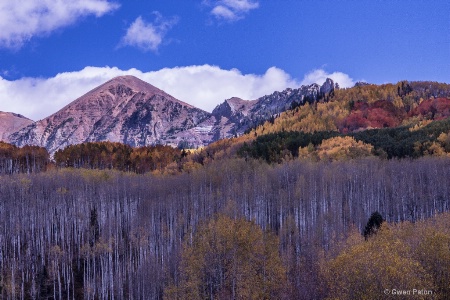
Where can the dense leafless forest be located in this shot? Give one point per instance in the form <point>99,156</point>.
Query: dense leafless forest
<point>89,234</point>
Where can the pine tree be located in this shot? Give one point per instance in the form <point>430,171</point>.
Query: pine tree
<point>373,224</point>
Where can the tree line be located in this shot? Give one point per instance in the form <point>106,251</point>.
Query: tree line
<point>89,155</point>
<point>28,159</point>
<point>117,156</point>
<point>413,141</point>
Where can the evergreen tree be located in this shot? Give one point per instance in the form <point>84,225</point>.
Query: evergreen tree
<point>373,224</point>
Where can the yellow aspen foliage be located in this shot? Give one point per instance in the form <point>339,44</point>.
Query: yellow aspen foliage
<point>435,149</point>
<point>307,118</point>
<point>419,124</point>
<point>230,259</point>
<point>337,148</point>
<point>440,147</point>
<point>308,153</point>
<point>190,166</point>
<point>444,140</point>
<point>434,254</point>
<point>398,102</point>
<point>430,242</point>
<point>375,269</point>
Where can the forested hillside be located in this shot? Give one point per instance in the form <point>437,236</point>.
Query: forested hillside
<point>407,119</point>
<point>105,234</point>
<point>366,106</point>
<point>400,142</point>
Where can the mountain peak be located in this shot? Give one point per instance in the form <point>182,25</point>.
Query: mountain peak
<point>126,79</point>
<point>132,82</point>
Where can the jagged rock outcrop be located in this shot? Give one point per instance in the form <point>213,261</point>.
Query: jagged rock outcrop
<point>361,83</point>
<point>10,123</point>
<point>327,87</point>
<point>234,108</point>
<point>230,115</point>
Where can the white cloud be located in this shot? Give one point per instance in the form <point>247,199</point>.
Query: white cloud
<point>231,10</point>
<point>203,86</point>
<point>319,76</point>
<point>148,36</point>
<point>223,12</point>
<point>20,20</point>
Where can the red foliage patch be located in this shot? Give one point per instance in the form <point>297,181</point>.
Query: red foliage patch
<point>379,114</point>
<point>433,109</point>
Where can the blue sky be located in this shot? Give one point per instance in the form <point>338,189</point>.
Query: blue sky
<point>204,51</point>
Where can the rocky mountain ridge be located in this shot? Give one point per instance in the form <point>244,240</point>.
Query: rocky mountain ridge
<point>131,111</point>
<point>237,115</point>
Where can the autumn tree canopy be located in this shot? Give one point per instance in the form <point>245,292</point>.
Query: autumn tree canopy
<point>365,269</point>
<point>28,159</point>
<point>230,259</point>
<point>117,156</point>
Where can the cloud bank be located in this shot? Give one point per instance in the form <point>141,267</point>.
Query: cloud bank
<point>148,36</point>
<point>230,10</point>
<point>20,20</point>
<point>203,86</point>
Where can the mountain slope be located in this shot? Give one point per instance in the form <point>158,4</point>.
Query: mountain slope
<point>11,122</point>
<point>124,109</point>
<point>131,111</point>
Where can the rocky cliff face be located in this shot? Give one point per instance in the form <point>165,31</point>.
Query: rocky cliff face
<point>327,87</point>
<point>10,123</point>
<point>131,111</point>
<point>230,116</point>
